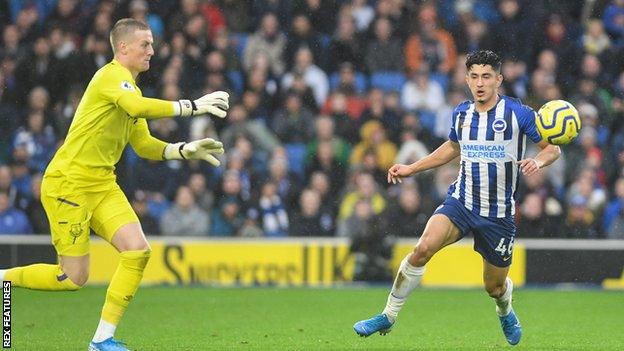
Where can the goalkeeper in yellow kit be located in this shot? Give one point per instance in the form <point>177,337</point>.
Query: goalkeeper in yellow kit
<point>79,190</point>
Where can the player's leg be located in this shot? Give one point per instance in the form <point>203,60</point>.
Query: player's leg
<point>500,287</point>
<point>494,239</point>
<point>68,213</point>
<point>115,221</point>
<point>70,274</point>
<point>439,232</point>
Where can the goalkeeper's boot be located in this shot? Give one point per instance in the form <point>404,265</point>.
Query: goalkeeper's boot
<point>379,323</point>
<point>109,344</point>
<point>511,327</point>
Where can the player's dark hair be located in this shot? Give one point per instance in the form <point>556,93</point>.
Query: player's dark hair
<point>484,57</point>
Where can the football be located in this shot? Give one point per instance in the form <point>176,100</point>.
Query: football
<point>558,122</point>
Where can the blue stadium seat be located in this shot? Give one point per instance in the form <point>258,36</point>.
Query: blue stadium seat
<point>239,42</point>
<point>361,81</point>
<point>296,153</point>
<point>237,80</point>
<point>388,81</point>
<point>427,120</point>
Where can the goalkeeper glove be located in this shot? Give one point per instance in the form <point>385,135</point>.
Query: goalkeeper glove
<point>202,149</point>
<point>214,103</point>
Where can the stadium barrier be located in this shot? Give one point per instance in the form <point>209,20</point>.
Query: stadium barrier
<point>327,261</point>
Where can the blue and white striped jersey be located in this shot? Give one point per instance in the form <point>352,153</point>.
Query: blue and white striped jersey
<point>491,143</point>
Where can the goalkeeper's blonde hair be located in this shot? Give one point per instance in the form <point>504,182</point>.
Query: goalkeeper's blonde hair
<point>123,28</point>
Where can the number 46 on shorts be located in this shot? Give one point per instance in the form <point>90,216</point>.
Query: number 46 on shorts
<point>505,250</point>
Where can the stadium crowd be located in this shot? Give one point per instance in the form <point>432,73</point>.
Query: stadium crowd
<point>325,96</point>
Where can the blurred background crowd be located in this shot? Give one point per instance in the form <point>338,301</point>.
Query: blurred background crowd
<point>325,96</point>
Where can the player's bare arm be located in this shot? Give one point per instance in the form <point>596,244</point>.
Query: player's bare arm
<point>548,154</point>
<point>440,156</point>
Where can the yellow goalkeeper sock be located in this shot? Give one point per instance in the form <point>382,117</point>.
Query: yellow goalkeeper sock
<point>40,276</point>
<point>124,284</point>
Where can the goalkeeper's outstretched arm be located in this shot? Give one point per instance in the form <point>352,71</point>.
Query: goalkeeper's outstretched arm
<point>142,107</point>
<point>151,148</point>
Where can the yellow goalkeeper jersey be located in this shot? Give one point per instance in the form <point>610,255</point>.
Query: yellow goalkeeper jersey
<point>111,113</point>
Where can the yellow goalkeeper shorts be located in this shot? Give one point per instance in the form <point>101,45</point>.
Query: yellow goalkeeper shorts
<point>72,211</point>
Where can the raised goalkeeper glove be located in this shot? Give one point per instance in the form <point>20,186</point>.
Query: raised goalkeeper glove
<point>214,103</point>
<point>202,149</point>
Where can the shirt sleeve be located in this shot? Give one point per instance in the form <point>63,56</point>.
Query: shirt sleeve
<point>117,87</point>
<point>145,145</point>
<point>453,133</point>
<point>526,120</point>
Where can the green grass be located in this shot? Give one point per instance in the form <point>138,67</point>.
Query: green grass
<point>162,318</point>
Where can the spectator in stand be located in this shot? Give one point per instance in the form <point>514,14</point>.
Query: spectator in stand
<point>262,138</point>
<point>595,40</point>
<point>558,39</point>
<point>326,160</point>
<point>320,183</point>
<point>12,220</point>
<point>322,13</point>
<point>511,35</point>
<point>40,68</point>
<point>227,220</point>
<point>613,18</point>
<point>516,81</point>
<point>324,127</point>
<point>308,220</point>
<point>404,216</point>
<point>269,42</point>
<point>422,94</point>
<point>580,221</point>
<point>294,124</point>
<point>185,218</point>
<point>378,111</point>
<point>271,211</point>
<point>312,75</point>
<point>374,138</point>
<point>362,13</point>
<point>38,139</point>
<point>613,220</point>
<point>532,221</point>
<point>204,198</point>
<point>16,198</point>
<point>302,35</point>
<point>345,45</point>
<point>384,52</point>
<point>140,205</point>
<point>365,189</point>
<point>236,15</point>
<point>411,149</point>
<point>429,45</point>
<point>370,245</point>
<point>11,45</point>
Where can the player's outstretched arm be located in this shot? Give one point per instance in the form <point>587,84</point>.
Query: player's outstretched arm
<point>440,156</point>
<point>547,155</point>
<point>138,106</point>
<point>203,149</point>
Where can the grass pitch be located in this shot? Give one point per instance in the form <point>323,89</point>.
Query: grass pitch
<point>196,318</point>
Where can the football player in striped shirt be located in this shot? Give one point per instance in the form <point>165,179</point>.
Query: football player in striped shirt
<point>489,135</point>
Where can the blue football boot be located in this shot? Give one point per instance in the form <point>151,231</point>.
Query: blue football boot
<point>379,323</point>
<point>109,344</point>
<point>511,327</point>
